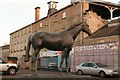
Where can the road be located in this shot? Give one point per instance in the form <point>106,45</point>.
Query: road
<point>24,74</point>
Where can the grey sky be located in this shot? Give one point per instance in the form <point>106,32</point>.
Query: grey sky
<point>15,14</point>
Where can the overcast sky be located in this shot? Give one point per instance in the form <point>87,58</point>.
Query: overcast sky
<point>15,14</point>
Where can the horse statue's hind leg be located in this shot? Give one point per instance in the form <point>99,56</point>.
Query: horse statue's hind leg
<point>65,55</point>
<point>62,60</point>
<point>66,62</point>
<point>33,61</point>
<point>27,55</point>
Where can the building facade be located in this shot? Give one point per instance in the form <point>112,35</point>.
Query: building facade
<point>102,47</point>
<point>96,14</point>
<point>4,51</point>
<point>0,51</point>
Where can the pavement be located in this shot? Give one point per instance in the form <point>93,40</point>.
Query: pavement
<point>46,74</point>
<point>26,74</point>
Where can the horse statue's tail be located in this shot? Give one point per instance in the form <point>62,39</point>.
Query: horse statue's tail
<point>27,55</point>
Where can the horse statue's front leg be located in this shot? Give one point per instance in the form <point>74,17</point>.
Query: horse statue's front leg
<point>60,67</point>
<point>33,67</point>
<point>33,62</point>
<point>66,61</point>
<point>34,72</point>
<point>67,68</point>
<point>68,71</point>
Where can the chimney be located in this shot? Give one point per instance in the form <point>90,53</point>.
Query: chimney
<point>37,13</point>
<point>52,7</point>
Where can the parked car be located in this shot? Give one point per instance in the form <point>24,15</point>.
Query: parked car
<point>9,68</point>
<point>52,66</point>
<point>99,69</point>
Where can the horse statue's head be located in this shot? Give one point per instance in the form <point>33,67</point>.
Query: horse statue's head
<point>86,29</point>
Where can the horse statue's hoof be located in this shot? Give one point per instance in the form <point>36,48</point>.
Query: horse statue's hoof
<point>69,74</point>
<point>34,73</point>
<point>60,70</point>
<point>61,74</point>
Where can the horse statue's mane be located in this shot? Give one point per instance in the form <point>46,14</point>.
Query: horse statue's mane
<point>70,28</point>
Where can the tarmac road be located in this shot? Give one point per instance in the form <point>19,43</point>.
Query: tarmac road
<point>25,74</point>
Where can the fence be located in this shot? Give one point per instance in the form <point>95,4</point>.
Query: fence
<point>105,53</point>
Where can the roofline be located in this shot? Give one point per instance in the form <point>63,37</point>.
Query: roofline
<point>92,2</point>
<point>45,17</point>
<point>106,3</point>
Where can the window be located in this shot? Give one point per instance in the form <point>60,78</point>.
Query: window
<point>12,47</point>
<point>56,18</point>
<point>91,65</point>
<point>25,43</point>
<point>15,35</point>
<point>25,30</point>
<point>22,45</point>
<point>55,31</point>
<point>11,37</point>
<point>21,32</point>
<point>0,61</point>
<point>18,46</point>
<point>46,22</point>
<point>30,28</point>
<point>64,15</point>
<point>18,33</point>
<point>15,47</point>
<point>40,25</point>
<point>85,65</point>
<point>63,29</point>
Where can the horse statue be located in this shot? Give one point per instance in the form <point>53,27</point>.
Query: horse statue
<point>62,41</point>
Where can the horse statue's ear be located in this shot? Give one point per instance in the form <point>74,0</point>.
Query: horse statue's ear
<point>76,24</point>
<point>86,11</point>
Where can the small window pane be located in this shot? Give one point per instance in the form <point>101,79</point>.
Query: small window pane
<point>40,25</point>
<point>85,65</point>
<point>64,15</point>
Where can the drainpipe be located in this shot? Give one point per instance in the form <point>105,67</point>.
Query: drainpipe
<point>83,20</point>
<point>82,34</point>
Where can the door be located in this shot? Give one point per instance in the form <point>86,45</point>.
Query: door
<point>3,66</point>
<point>85,68</point>
<point>0,65</point>
<point>93,69</point>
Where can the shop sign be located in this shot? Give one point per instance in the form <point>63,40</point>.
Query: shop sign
<point>112,46</point>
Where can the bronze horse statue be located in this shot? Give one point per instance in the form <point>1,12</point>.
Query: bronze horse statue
<point>62,41</point>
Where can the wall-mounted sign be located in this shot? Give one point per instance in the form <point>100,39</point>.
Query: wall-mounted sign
<point>113,46</point>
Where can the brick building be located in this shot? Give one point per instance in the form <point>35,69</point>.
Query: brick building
<point>108,33</point>
<point>4,51</point>
<point>97,15</point>
<point>0,51</point>
<point>102,47</point>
